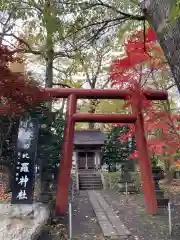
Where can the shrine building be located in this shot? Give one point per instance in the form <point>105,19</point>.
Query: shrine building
<point>87,149</point>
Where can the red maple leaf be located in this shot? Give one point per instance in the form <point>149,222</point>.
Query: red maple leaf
<point>141,59</point>
<point>17,91</point>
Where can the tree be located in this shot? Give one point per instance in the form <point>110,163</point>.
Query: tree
<point>91,66</point>
<point>54,29</point>
<point>18,92</point>
<point>115,150</point>
<point>87,25</point>
<point>141,61</point>
<point>58,37</point>
<point>50,25</point>
<point>6,22</point>
<point>159,14</point>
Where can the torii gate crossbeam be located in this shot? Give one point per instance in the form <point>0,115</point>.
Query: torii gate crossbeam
<point>136,117</point>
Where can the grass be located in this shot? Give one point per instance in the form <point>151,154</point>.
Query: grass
<point>111,179</point>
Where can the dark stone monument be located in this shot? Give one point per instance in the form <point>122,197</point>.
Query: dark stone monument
<point>158,174</point>
<point>126,181</point>
<point>23,179</point>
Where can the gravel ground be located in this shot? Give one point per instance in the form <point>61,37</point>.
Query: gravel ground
<point>85,225</point>
<point>132,213</point>
<point>84,222</point>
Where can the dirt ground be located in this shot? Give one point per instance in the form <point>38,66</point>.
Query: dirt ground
<point>132,213</point>
<point>84,223</point>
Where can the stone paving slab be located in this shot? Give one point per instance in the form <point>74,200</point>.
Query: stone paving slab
<point>101,217</point>
<point>108,229</point>
<point>112,227</point>
<point>120,228</point>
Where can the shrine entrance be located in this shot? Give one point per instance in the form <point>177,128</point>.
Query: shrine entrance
<point>86,160</point>
<point>135,117</point>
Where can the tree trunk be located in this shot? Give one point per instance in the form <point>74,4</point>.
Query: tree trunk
<point>49,49</point>
<point>63,105</point>
<point>49,69</point>
<point>158,14</point>
<point>49,73</point>
<point>93,104</point>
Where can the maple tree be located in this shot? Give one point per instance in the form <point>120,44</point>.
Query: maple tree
<point>17,91</point>
<point>143,58</point>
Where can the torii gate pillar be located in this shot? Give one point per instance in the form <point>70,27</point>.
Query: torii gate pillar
<point>143,156</point>
<point>66,160</point>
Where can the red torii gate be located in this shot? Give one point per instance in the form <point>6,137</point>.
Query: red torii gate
<point>72,94</point>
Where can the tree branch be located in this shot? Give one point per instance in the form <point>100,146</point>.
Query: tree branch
<point>105,84</point>
<point>62,85</point>
<point>29,49</point>
<point>128,15</point>
<point>171,86</point>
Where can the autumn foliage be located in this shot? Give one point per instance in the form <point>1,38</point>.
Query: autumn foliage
<point>143,56</point>
<point>17,91</point>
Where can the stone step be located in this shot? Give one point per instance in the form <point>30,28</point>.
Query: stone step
<point>90,188</point>
<point>90,174</point>
<point>95,178</point>
<point>90,181</point>
<point>87,170</point>
<point>90,185</point>
<point>87,176</point>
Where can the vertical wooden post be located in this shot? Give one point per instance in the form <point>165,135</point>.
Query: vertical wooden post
<point>66,160</point>
<point>142,148</point>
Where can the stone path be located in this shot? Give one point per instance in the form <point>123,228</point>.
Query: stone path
<point>111,225</point>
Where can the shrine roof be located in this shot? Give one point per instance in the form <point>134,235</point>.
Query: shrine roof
<point>89,137</point>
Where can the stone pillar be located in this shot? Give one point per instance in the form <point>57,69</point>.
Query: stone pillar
<point>125,178</point>
<point>97,159</point>
<point>75,158</point>
<point>158,174</point>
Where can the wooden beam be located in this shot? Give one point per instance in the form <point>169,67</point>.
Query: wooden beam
<point>104,93</point>
<point>104,118</point>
